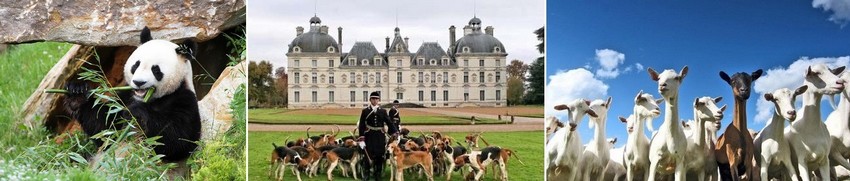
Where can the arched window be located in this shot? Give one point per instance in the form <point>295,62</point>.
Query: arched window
<point>497,49</point>
<point>364,62</point>
<point>331,49</point>
<point>433,62</point>
<point>296,49</point>
<point>465,50</point>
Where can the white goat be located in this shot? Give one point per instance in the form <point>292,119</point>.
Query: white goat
<point>810,144</point>
<point>838,124</point>
<point>615,170</point>
<point>773,152</point>
<point>596,155</point>
<point>705,110</point>
<point>563,150</point>
<point>636,153</point>
<point>552,124</point>
<point>711,128</point>
<point>668,146</point>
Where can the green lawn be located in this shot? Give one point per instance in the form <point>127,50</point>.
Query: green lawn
<point>528,145</point>
<point>280,116</point>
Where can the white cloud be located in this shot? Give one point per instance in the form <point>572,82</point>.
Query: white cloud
<point>609,60</point>
<point>639,66</point>
<point>840,9</point>
<point>566,86</point>
<point>790,77</point>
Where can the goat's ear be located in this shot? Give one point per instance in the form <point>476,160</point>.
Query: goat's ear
<point>722,109</point>
<point>718,99</point>
<point>591,113</point>
<point>697,102</point>
<point>608,103</point>
<point>562,107</point>
<point>755,75</point>
<point>652,74</point>
<point>145,36</point>
<point>587,102</point>
<point>684,124</point>
<point>837,71</point>
<point>801,90</point>
<point>809,71</point>
<point>725,77</point>
<point>683,73</point>
<point>614,140</point>
<point>768,97</point>
<point>638,98</point>
<point>659,100</point>
<point>622,119</point>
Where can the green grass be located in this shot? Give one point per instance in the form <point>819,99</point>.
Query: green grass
<point>23,67</point>
<point>529,146</point>
<point>280,116</point>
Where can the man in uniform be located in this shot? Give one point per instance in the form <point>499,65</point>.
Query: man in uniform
<point>373,118</point>
<point>394,116</point>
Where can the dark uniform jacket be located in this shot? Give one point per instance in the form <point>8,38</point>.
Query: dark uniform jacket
<point>377,119</point>
<point>395,118</point>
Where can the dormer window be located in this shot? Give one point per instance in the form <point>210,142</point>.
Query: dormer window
<point>364,62</point>
<point>497,49</point>
<point>331,49</point>
<point>351,61</point>
<point>445,61</point>
<point>398,49</point>
<point>433,62</point>
<point>465,49</point>
<point>420,61</point>
<point>296,49</point>
<point>378,61</point>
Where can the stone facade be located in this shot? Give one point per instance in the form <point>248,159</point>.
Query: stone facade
<point>471,72</point>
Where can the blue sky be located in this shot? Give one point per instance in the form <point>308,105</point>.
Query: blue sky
<point>597,49</point>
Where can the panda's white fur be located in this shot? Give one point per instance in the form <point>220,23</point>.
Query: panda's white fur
<point>176,69</point>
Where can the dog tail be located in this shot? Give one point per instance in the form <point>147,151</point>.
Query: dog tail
<point>274,145</point>
<point>515,155</point>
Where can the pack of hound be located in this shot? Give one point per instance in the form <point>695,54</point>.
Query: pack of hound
<point>422,156</point>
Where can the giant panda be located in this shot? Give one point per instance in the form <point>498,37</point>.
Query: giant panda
<point>172,110</point>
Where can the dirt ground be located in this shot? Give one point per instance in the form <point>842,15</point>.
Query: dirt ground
<point>356,112</point>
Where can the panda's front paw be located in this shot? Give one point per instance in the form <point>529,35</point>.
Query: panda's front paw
<point>77,95</point>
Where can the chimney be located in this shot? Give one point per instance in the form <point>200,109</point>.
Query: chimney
<point>467,30</point>
<point>388,44</point>
<point>339,37</point>
<point>406,43</point>
<point>489,30</point>
<point>299,30</point>
<point>323,29</point>
<point>452,35</point>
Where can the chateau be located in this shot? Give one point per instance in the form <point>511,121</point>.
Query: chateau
<point>470,72</point>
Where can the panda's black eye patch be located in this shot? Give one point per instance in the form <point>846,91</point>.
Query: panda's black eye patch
<point>135,66</point>
<point>156,72</point>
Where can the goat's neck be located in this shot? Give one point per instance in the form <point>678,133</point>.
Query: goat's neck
<point>599,136</point>
<point>776,126</point>
<point>639,124</point>
<point>740,119</point>
<point>699,139</point>
<point>671,115</point>
<point>844,107</point>
<point>811,105</point>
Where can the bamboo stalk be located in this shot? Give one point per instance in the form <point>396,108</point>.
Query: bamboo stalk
<point>148,94</point>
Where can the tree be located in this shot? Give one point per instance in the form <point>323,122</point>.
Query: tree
<point>537,76</point>
<point>517,68</point>
<point>541,37</point>
<point>281,85</point>
<point>516,90</point>
<point>260,83</point>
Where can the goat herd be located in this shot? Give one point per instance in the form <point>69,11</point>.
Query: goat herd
<point>808,148</point>
<point>427,154</point>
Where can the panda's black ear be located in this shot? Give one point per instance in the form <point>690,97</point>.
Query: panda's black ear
<point>146,35</point>
<point>187,49</point>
